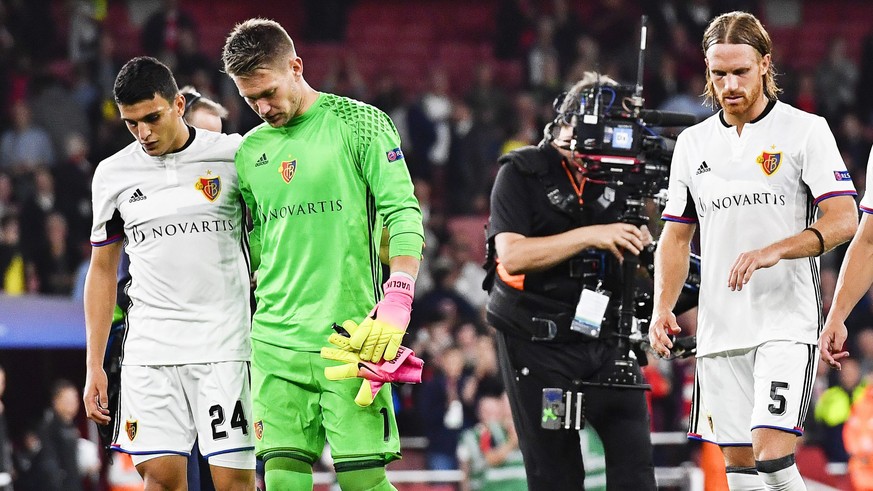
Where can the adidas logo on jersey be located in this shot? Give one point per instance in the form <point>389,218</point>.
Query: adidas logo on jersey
<point>262,161</point>
<point>703,168</point>
<point>136,196</point>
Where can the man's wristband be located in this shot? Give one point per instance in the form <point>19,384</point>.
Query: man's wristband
<point>821,243</point>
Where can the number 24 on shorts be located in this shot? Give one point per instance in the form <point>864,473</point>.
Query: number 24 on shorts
<point>237,420</point>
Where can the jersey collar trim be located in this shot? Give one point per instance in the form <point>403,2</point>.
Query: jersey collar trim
<point>191,134</point>
<point>770,105</point>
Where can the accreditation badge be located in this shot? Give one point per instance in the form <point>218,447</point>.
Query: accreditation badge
<point>590,311</point>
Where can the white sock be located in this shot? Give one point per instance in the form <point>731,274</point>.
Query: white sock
<point>744,479</point>
<point>780,474</point>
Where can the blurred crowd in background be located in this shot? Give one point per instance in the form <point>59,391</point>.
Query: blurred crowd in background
<point>463,84</point>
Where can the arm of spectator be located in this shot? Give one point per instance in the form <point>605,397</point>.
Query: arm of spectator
<point>500,453</point>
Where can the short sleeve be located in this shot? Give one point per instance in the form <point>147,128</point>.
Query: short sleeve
<point>867,200</point>
<point>507,196</point>
<point>107,226</point>
<point>824,171</point>
<point>680,202</point>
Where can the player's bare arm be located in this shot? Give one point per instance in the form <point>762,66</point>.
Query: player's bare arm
<point>837,224</point>
<point>405,264</point>
<point>100,298</point>
<point>856,275</point>
<point>671,269</point>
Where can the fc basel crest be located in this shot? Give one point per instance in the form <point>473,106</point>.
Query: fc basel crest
<point>130,428</point>
<point>287,169</point>
<point>209,186</point>
<point>259,429</point>
<point>770,162</point>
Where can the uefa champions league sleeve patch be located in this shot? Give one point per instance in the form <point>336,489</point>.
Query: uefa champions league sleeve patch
<point>395,155</point>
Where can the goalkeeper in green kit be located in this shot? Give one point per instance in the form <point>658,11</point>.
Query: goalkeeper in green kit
<point>322,176</point>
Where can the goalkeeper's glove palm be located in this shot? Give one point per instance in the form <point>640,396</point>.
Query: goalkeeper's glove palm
<point>404,368</point>
<point>380,334</point>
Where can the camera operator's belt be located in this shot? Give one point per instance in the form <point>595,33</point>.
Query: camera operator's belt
<point>530,316</point>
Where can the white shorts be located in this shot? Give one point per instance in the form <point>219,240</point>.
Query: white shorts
<point>164,408</point>
<point>736,391</point>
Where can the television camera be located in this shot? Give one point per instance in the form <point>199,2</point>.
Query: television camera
<point>615,141</point>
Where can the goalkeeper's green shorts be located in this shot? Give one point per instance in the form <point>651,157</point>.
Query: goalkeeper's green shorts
<point>295,408</point>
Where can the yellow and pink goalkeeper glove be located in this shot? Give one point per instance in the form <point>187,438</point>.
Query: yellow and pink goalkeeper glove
<point>379,336</point>
<point>405,368</point>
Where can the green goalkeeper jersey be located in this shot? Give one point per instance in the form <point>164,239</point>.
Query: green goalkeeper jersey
<point>320,189</point>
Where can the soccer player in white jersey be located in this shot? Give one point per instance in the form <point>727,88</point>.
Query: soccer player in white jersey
<point>172,199</point>
<point>768,187</point>
<point>856,275</point>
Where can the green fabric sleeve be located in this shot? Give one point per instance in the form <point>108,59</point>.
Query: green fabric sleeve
<point>255,239</point>
<point>405,244</point>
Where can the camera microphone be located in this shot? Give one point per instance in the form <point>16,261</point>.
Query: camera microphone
<point>654,117</point>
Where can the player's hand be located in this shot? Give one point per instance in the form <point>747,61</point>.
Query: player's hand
<point>379,336</point>
<point>749,262</point>
<point>662,327</point>
<point>619,237</point>
<point>404,368</point>
<point>830,343</point>
<point>96,397</point>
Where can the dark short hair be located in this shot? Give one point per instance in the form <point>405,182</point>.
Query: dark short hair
<point>141,78</point>
<point>253,44</point>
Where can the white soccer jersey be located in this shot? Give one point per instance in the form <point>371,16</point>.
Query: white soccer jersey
<point>181,218</point>
<point>867,201</point>
<point>747,192</point>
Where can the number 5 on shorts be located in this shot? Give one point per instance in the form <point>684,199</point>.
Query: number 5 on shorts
<point>778,406</point>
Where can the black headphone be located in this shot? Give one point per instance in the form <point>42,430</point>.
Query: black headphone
<point>190,98</point>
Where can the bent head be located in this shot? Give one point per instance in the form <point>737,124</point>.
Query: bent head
<point>150,105</point>
<point>739,69</point>
<point>735,75</point>
<point>260,58</point>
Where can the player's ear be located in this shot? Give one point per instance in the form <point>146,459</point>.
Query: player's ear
<point>179,104</point>
<point>765,63</point>
<point>295,63</point>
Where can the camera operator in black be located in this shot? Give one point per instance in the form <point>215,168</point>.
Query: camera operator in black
<point>556,233</point>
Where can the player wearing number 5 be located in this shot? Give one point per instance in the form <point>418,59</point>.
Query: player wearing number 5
<point>171,198</point>
<point>766,183</point>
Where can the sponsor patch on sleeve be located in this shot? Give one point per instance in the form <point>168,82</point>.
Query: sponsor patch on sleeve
<point>842,175</point>
<point>395,155</point>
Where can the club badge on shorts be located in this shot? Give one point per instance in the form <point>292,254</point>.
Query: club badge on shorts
<point>259,429</point>
<point>287,169</point>
<point>130,428</point>
<point>769,162</point>
<point>209,186</point>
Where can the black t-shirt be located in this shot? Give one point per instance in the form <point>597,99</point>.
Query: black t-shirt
<point>519,204</point>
